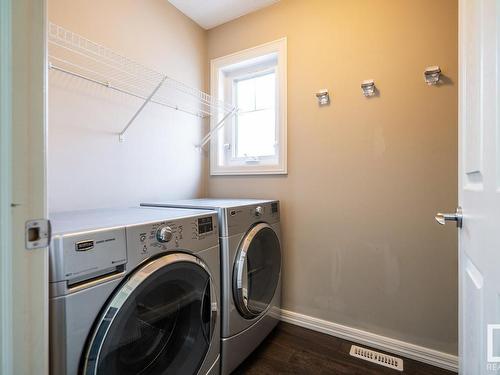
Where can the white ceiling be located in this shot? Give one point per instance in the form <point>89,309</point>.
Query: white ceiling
<point>211,13</point>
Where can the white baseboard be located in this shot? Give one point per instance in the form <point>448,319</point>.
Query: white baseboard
<point>418,353</point>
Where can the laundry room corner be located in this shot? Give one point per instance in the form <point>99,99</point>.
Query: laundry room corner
<point>240,187</point>
<point>87,165</point>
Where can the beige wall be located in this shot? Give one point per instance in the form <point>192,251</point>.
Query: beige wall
<point>366,176</point>
<point>88,167</point>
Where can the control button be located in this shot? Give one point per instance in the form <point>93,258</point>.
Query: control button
<point>143,237</point>
<point>164,234</point>
<point>259,211</point>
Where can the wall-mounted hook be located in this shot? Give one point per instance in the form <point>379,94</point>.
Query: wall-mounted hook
<point>368,87</point>
<point>323,97</point>
<point>432,75</point>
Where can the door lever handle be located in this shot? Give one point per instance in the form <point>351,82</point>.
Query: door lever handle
<point>442,218</point>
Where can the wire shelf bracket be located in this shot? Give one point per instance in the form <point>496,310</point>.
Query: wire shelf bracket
<point>72,54</point>
<point>219,125</point>
<point>148,99</point>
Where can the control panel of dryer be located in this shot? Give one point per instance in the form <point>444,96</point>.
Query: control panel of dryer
<point>192,234</point>
<point>239,218</point>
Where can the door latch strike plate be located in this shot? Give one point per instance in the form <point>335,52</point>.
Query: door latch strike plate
<point>37,234</point>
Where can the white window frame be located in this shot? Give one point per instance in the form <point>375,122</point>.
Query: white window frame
<point>220,79</point>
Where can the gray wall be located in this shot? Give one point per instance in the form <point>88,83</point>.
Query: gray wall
<point>88,167</point>
<point>366,176</point>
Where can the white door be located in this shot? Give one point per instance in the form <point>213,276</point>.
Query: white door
<point>23,273</point>
<point>479,187</point>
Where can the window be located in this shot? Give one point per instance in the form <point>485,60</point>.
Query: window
<point>254,140</point>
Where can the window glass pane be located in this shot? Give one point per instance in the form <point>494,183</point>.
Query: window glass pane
<point>255,133</point>
<point>265,91</point>
<point>245,94</point>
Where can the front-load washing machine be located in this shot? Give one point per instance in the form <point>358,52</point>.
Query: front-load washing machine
<point>251,271</point>
<point>134,291</point>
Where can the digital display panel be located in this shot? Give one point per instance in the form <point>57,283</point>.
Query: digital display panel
<point>205,225</point>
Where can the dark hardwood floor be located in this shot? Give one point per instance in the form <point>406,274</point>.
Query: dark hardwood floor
<point>294,350</point>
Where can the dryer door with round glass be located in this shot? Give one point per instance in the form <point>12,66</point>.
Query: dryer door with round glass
<point>256,271</point>
<point>160,321</point>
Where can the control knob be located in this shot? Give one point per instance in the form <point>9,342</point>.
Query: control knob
<point>164,234</point>
<point>259,211</point>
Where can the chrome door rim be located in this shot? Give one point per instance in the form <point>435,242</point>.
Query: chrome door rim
<point>124,292</point>
<point>239,267</point>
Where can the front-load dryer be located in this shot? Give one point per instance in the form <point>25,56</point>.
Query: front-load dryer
<point>251,271</point>
<point>134,291</point>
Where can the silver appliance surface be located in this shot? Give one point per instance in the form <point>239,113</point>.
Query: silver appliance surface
<point>235,215</point>
<point>238,220</point>
<point>78,221</point>
<point>209,203</point>
<point>99,257</point>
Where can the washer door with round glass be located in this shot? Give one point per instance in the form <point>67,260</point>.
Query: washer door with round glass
<point>256,271</point>
<point>160,321</point>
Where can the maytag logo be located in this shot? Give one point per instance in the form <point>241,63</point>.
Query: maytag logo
<point>84,245</point>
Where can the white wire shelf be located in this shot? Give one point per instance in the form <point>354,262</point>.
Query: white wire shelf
<point>80,57</point>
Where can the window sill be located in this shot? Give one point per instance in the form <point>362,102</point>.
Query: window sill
<point>243,172</point>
